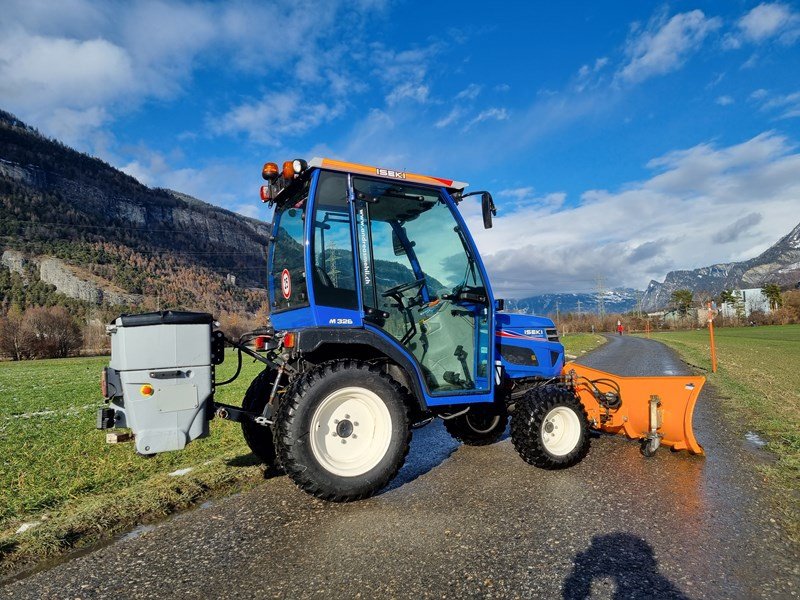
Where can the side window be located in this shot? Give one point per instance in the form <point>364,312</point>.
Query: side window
<point>288,268</point>
<point>334,276</point>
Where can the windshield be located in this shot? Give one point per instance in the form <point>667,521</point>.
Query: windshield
<point>414,236</point>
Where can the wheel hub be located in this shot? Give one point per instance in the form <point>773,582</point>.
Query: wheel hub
<point>344,428</point>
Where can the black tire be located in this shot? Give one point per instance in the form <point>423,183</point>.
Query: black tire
<point>530,420</point>
<point>305,433</point>
<point>477,427</point>
<point>259,437</point>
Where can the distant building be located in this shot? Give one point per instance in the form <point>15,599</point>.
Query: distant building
<point>752,300</point>
<point>231,279</point>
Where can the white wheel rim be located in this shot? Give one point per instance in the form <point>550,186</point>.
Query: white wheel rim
<point>351,430</point>
<point>561,431</point>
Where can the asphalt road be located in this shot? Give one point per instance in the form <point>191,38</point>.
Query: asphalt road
<point>463,521</point>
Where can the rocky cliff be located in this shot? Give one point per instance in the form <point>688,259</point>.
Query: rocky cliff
<point>99,235</point>
<point>779,264</point>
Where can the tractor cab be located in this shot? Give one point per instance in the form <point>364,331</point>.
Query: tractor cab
<point>386,252</point>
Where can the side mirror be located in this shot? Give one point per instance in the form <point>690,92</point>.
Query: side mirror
<point>487,207</point>
<point>499,304</point>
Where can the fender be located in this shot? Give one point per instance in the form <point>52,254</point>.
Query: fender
<point>311,340</point>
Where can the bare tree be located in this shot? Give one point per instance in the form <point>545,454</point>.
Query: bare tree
<point>11,334</point>
<point>49,332</point>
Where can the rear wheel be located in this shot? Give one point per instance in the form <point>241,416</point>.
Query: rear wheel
<point>259,437</point>
<point>477,427</point>
<point>343,432</point>
<point>550,428</point>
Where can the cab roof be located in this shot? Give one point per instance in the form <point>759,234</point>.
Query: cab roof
<point>391,174</point>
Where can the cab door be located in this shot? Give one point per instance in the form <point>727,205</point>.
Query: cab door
<point>421,283</point>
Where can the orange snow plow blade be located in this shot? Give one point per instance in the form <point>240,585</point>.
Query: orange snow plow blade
<point>649,407</point>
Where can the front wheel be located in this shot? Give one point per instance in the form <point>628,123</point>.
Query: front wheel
<point>477,428</point>
<point>343,433</point>
<point>550,428</point>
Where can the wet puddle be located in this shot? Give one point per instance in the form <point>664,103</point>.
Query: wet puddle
<point>755,439</point>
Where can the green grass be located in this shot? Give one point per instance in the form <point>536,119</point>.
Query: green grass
<point>758,378</point>
<point>56,468</point>
<point>577,344</point>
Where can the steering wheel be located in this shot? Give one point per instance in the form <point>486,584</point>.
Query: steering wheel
<point>393,291</point>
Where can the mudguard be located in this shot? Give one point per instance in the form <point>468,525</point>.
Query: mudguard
<point>676,397</point>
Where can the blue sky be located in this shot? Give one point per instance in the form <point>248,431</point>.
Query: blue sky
<point>619,139</point>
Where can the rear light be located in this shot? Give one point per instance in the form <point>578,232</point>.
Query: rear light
<point>260,343</point>
<point>288,340</point>
<point>265,193</point>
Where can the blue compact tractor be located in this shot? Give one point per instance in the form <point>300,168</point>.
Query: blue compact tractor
<point>382,319</point>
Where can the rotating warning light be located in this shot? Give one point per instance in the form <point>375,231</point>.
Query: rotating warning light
<point>288,170</point>
<point>270,171</point>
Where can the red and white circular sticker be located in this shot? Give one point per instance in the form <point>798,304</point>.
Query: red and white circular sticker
<point>286,283</point>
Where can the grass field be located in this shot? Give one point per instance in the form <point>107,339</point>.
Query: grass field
<point>576,344</point>
<point>57,471</point>
<point>758,378</point>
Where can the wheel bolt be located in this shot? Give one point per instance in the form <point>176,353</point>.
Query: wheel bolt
<point>334,434</point>
<point>336,421</point>
<point>355,423</point>
<point>354,436</point>
<point>344,441</point>
<point>347,416</point>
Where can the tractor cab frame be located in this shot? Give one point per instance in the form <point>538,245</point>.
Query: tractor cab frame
<point>388,256</point>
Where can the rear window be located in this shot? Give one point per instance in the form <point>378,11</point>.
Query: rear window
<point>287,275</point>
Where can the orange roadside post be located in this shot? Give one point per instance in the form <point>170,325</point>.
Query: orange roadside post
<point>711,335</point>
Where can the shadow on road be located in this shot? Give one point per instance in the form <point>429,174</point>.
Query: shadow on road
<point>627,561</point>
<point>430,446</point>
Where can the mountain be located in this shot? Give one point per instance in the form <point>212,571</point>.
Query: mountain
<point>619,300</point>
<point>778,264</point>
<point>73,225</point>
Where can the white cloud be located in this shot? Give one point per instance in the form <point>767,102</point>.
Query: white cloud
<point>408,91</point>
<point>664,45</point>
<point>277,115</point>
<point>788,105</point>
<point>43,72</point>
<point>108,58</point>
<point>690,213</point>
<point>764,22</point>
<point>470,92</point>
<point>490,114</point>
<point>725,100</point>
<point>452,117</point>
